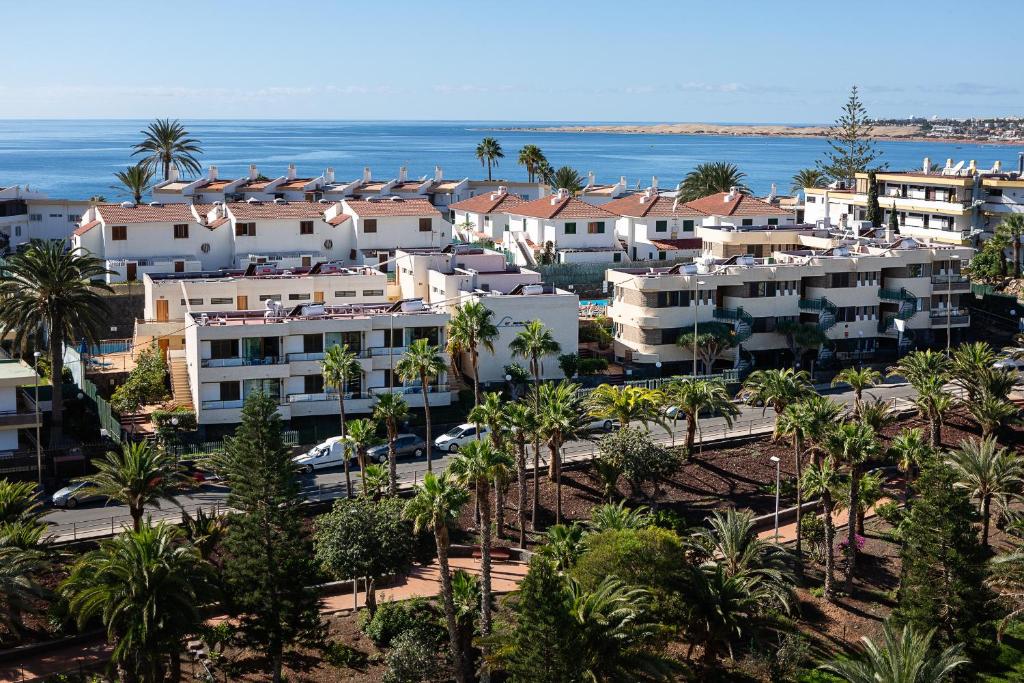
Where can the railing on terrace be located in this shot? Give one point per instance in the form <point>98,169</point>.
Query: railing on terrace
<point>222,405</point>
<point>388,350</point>
<point>411,389</point>
<point>956,317</point>
<point>901,294</point>
<point>305,355</point>
<point>325,396</point>
<point>239,362</point>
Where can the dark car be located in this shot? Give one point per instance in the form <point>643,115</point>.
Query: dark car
<point>405,444</point>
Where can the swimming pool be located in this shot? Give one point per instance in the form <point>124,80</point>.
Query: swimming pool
<point>593,302</point>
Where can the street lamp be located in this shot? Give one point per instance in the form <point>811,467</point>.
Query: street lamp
<point>776,460</point>
<point>949,299</point>
<point>696,283</point>
<point>39,446</point>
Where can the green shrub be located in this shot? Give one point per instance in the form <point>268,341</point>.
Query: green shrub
<point>891,512</point>
<point>395,618</point>
<point>339,654</point>
<point>648,557</point>
<point>413,659</point>
<point>592,366</point>
<point>812,527</point>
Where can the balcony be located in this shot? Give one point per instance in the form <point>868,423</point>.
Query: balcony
<point>388,350</point>
<point>241,362</point>
<point>305,355</point>
<point>952,283</point>
<point>222,405</point>
<point>326,396</point>
<point>411,389</point>
<point>942,317</point>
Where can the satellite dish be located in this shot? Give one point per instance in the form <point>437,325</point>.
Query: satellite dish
<point>328,244</point>
<point>205,248</point>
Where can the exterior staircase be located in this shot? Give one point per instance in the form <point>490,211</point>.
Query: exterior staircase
<point>180,393</point>
<point>741,320</point>
<point>825,309</point>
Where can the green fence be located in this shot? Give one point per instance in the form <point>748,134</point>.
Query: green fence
<point>106,415</point>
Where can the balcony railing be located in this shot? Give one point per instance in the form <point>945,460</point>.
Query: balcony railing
<point>305,355</point>
<point>388,350</point>
<point>955,317</point>
<point>326,396</point>
<point>411,389</point>
<point>239,362</point>
<point>222,405</point>
<point>957,282</point>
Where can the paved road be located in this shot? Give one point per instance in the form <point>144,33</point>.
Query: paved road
<point>100,520</point>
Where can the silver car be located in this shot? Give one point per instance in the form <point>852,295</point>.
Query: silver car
<point>71,496</point>
<point>405,444</point>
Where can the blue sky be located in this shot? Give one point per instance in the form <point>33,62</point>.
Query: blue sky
<point>736,60</point>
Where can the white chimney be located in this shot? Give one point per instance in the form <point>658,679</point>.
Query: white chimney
<point>654,183</point>
<point>731,195</point>
<point>773,193</point>
<point>329,175</point>
<point>367,175</point>
<point>212,173</point>
<point>622,180</point>
<point>291,171</point>
<point>403,174</point>
<point>171,175</point>
<point>561,195</point>
<point>254,172</point>
<point>438,174</point>
<point>502,190</point>
<point>997,166</point>
<point>949,163</point>
<point>591,178</point>
<point>926,165</point>
<point>972,167</point>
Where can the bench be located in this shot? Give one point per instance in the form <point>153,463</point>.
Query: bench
<point>497,553</point>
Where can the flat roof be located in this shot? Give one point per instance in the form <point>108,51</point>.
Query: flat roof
<point>12,369</point>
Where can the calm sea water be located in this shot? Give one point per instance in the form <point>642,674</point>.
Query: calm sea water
<point>77,159</point>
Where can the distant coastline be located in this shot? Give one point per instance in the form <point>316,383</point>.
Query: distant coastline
<point>909,133</point>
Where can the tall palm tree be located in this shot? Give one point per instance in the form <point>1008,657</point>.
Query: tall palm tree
<point>436,506</point>
<point>476,466</point>
<point>49,293</point>
<point>146,586</point>
<point>566,178</point>
<point>911,450</point>
<point>858,379</point>
<point>988,472</point>
<point>991,413</point>
<point>488,152</point>
<point>919,366</point>
<point>137,180</point>
<point>932,402</point>
<point>531,157</point>
<point>391,409</point>
<point>968,362</point>
<point>776,389</point>
<point>561,419</point>
<point>422,361</point>
<point>166,143</point>
<point>1012,230</point>
<point>796,421</point>
<point>626,405</point>
<point>339,367</point>
<point>906,656</point>
<point>1006,580</point>
<point>470,328</point>
<point>522,423</point>
<point>20,589</point>
<point>710,178</point>
<point>491,412</point>
<point>362,434</point>
<point>852,444</point>
<point>807,177</point>
<point>691,397</point>
<point>821,479</point>
<point>136,476</point>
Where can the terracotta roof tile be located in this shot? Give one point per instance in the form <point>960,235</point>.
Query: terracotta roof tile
<point>391,207</point>
<point>671,245</point>
<point>339,219</point>
<point>552,207</point>
<point>635,206</point>
<point>295,184</point>
<point>488,203</point>
<point>740,205</point>
<point>86,227</point>
<point>145,213</point>
<point>246,211</point>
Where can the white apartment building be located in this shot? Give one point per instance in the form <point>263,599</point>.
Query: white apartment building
<point>865,295</point>
<point>212,188</point>
<point>286,234</point>
<point>380,226</point>
<point>741,210</point>
<point>577,232</point>
<point>484,216</point>
<point>600,194</point>
<point>656,227</point>
<point>16,409</point>
<point>27,215</point>
<point>229,355</point>
<point>459,274</point>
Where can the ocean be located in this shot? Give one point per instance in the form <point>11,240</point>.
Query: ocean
<point>76,159</point>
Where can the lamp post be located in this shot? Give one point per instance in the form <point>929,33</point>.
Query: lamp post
<point>696,283</point>
<point>949,300</point>
<point>775,460</point>
<point>39,446</point>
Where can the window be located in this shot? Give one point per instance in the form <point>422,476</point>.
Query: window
<point>773,221</point>
<point>245,229</point>
<point>426,224</point>
<point>266,297</point>
<point>56,215</point>
<point>74,217</point>
<point>995,192</point>
<point>661,255</point>
<point>269,387</point>
<point>17,231</point>
<point>811,200</point>
<point>223,348</point>
<point>431,334</point>
<point>313,384</point>
<point>570,228</point>
<point>660,226</point>
<point>370,225</point>
<point>35,217</point>
<point>312,343</point>
<point>747,221</point>
<point>299,297</point>
<point>840,280</point>
<point>763,325</point>
<point>617,257</point>
<point>230,391</point>
<point>344,293</point>
<point>195,302</point>
<point>220,300</point>
<point>595,227</point>
<point>373,292</point>
<point>119,232</point>
<point>181,231</point>
<point>688,225</point>
<point>305,227</point>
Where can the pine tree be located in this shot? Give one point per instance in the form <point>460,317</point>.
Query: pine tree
<point>268,569</point>
<point>874,211</point>
<point>538,643</point>
<point>851,149</point>
<point>894,220</point>
<point>941,586</point>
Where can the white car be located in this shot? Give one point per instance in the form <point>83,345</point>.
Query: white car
<point>602,424</point>
<point>454,438</point>
<point>1008,364</point>
<point>330,453</point>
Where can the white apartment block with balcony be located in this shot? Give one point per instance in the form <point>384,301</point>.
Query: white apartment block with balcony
<point>377,227</point>
<point>230,355</point>
<point>27,215</point>
<point>286,234</point>
<point>656,227</point>
<point>865,295</point>
<point>576,231</point>
<point>458,274</point>
<point>212,188</point>
<point>741,210</point>
<point>17,407</point>
<point>484,216</point>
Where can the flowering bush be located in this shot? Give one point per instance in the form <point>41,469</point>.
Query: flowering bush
<point>858,541</point>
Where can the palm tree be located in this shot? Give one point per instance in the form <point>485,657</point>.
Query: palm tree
<point>362,434</point>
<point>1011,229</point>
<point>476,466</point>
<point>852,444</point>
<point>522,423</point>
<point>375,481</point>
<point>488,152</point>
<point>47,292</point>
<point>137,476</point>
<point>877,414</point>
<point>991,413</point>
<point>19,589</point>
<point>858,379</point>
<point>797,420</point>
<point>968,362</point>
<point>776,389</point>
<point>469,329</point>
<point>544,172</point>
<point>821,479</point>
<point>988,472</point>
<point>166,143</point>
<point>617,517</point>
<point>932,402</point>
<point>531,157</point>
<point>691,397</point>
<point>567,178</point>
<point>563,545</point>
<point>391,409</point>
<point>1006,580</point>
<point>904,657</point>
<point>822,415</point>
<point>710,178</point>
<point>422,361</point>
<point>491,412</point>
<point>919,366</point>
<point>911,449</point>
<point>436,506</point>
<point>561,419</point>
<point>146,586</point>
<point>807,177</point>
<point>339,367</point>
<point>204,531</point>
<point>137,179</point>
<point>626,404</point>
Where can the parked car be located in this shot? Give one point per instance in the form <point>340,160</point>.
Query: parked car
<point>1008,364</point>
<point>330,453</point>
<point>71,496</point>
<point>602,424</point>
<point>405,444</point>
<point>454,438</point>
